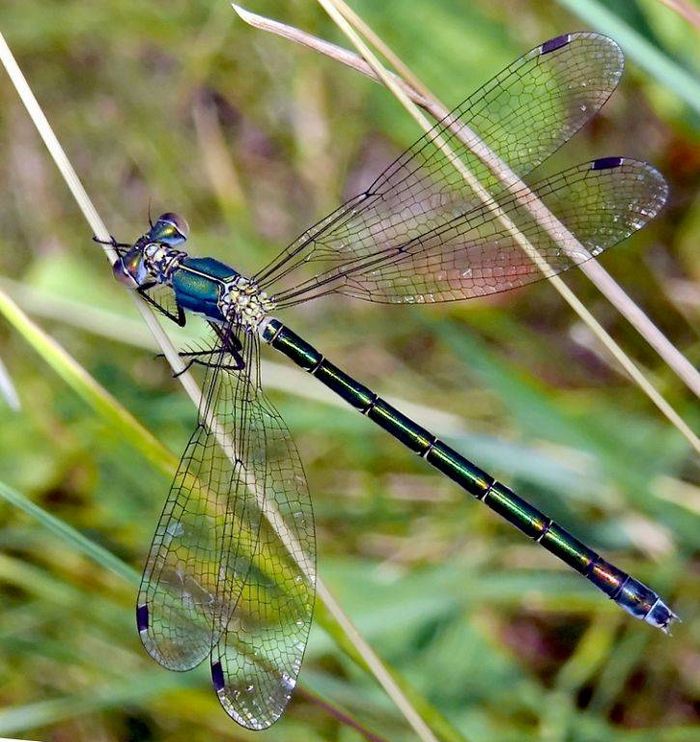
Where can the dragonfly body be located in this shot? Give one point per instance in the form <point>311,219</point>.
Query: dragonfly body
<point>200,285</point>
<point>205,286</point>
<point>214,290</point>
<point>630,594</point>
<point>231,571</point>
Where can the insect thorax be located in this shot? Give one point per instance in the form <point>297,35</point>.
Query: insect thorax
<point>241,300</point>
<point>161,261</point>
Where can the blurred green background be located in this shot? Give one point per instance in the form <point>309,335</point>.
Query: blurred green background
<point>181,106</point>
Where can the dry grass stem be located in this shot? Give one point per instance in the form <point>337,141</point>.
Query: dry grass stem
<point>344,17</point>
<point>97,225</point>
<point>417,92</point>
<point>7,389</point>
<point>685,10</point>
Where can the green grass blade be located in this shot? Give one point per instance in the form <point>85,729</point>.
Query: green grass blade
<point>108,408</point>
<point>86,387</point>
<point>110,696</point>
<point>70,535</point>
<point>430,715</point>
<point>19,719</point>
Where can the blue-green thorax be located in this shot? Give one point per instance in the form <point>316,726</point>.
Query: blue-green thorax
<point>214,289</point>
<point>205,286</point>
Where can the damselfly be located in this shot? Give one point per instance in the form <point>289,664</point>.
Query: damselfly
<point>231,571</point>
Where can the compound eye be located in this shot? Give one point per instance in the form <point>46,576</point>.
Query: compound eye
<point>123,275</point>
<point>170,228</point>
<point>130,269</point>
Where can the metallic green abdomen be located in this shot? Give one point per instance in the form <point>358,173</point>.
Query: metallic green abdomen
<point>630,594</point>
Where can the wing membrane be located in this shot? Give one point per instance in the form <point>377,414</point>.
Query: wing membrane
<point>474,254</point>
<point>522,115</point>
<point>162,298</point>
<point>232,566</point>
<point>190,583</point>
<point>258,657</point>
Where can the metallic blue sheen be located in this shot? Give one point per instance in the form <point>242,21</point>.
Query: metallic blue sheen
<point>661,616</point>
<point>197,284</point>
<point>211,267</point>
<point>170,229</point>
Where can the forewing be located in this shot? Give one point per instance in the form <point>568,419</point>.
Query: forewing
<point>505,244</point>
<point>256,662</point>
<point>206,537</point>
<point>522,115</point>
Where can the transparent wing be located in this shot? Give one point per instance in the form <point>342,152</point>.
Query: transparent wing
<point>257,659</point>
<point>522,115</point>
<point>183,605</point>
<point>162,298</point>
<point>474,254</point>
<point>206,541</point>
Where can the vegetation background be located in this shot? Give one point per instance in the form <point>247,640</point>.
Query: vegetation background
<point>181,106</point>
